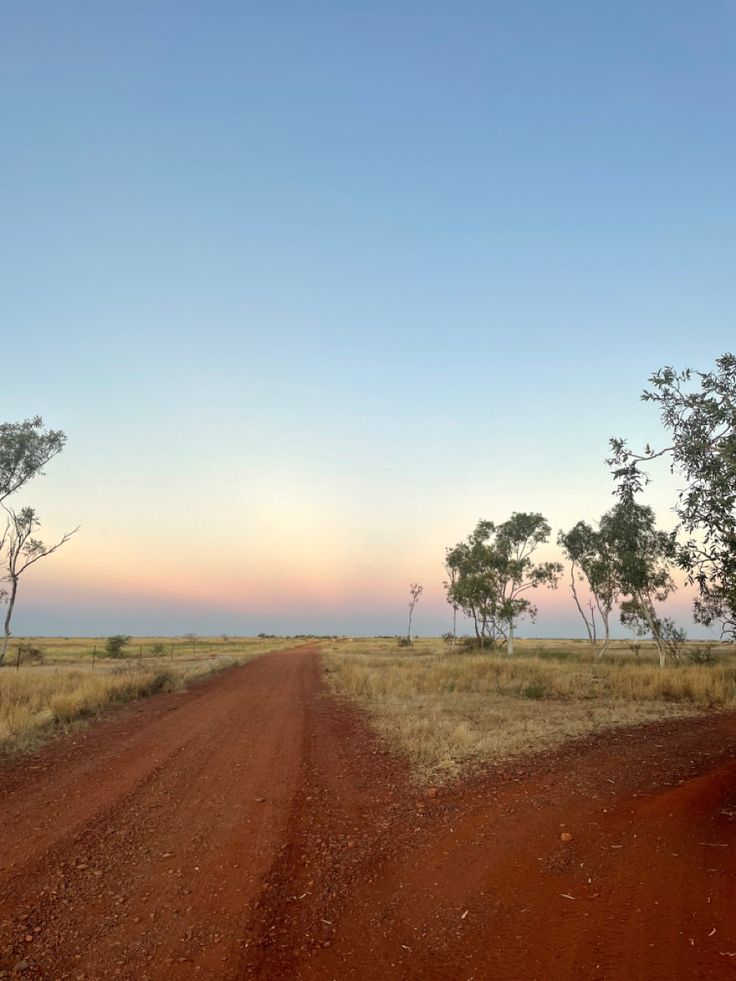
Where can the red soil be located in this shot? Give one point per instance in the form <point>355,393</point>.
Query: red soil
<point>253,828</point>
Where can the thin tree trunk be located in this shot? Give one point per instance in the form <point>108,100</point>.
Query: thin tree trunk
<point>8,618</point>
<point>510,639</point>
<point>591,635</point>
<point>646,609</point>
<point>607,638</point>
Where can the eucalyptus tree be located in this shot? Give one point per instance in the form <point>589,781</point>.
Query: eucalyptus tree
<point>642,556</point>
<point>591,554</point>
<point>473,585</point>
<point>516,541</point>
<point>698,411</point>
<point>25,449</point>
<point>415,591</point>
<point>23,550</point>
<point>494,570</point>
<point>449,585</point>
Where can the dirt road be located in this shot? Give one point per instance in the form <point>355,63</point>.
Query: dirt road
<point>253,828</point>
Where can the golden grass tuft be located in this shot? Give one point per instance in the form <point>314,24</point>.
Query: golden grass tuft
<point>36,700</point>
<point>447,711</point>
<point>32,701</point>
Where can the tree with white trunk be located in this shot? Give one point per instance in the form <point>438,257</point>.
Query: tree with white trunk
<point>592,562</point>
<point>494,572</point>
<point>25,449</point>
<point>415,591</point>
<point>22,550</point>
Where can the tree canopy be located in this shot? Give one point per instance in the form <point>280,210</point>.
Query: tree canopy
<point>698,411</point>
<point>492,571</point>
<point>25,449</point>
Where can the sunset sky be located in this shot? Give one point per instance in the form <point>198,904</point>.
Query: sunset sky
<point>314,287</point>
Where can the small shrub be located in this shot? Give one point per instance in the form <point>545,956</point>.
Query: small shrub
<point>535,690</point>
<point>700,655</point>
<point>28,654</point>
<point>115,646</point>
<point>553,655</point>
<point>673,638</point>
<point>158,650</point>
<point>403,642</point>
<point>468,644</point>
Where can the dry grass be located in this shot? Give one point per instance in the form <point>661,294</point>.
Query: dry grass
<point>446,711</point>
<point>36,701</point>
<point>79,651</point>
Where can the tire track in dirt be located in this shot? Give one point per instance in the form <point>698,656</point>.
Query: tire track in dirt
<point>253,828</point>
<point>153,874</point>
<point>476,882</point>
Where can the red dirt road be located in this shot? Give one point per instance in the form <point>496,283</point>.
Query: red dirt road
<point>253,828</point>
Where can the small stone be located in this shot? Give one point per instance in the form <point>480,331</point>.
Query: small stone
<point>260,800</point>
<point>565,836</point>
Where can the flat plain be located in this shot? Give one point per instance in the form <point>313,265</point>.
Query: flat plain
<point>276,820</point>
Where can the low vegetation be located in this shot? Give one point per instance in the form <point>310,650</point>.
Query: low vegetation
<point>64,680</point>
<point>449,710</point>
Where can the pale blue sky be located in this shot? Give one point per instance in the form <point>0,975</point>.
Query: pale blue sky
<point>321,284</point>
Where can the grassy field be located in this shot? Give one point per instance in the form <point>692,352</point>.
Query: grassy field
<point>75,680</point>
<point>447,711</point>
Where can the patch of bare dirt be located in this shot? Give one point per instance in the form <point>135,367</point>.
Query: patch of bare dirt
<point>254,828</point>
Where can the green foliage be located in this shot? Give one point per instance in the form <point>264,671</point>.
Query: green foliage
<point>158,649</point>
<point>592,561</point>
<point>115,646</point>
<point>673,638</point>
<point>698,411</point>
<point>551,654</point>
<point>25,448</point>
<point>535,690</point>
<point>492,570</point>
<point>700,655</point>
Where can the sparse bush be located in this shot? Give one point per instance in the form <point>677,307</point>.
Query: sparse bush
<point>115,646</point>
<point>403,642</point>
<point>28,654</point>
<point>158,649</point>
<point>554,655</point>
<point>447,712</point>
<point>468,644</point>
<point>535,690</point>
<point>700,655</point>
<point>673,639</point>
